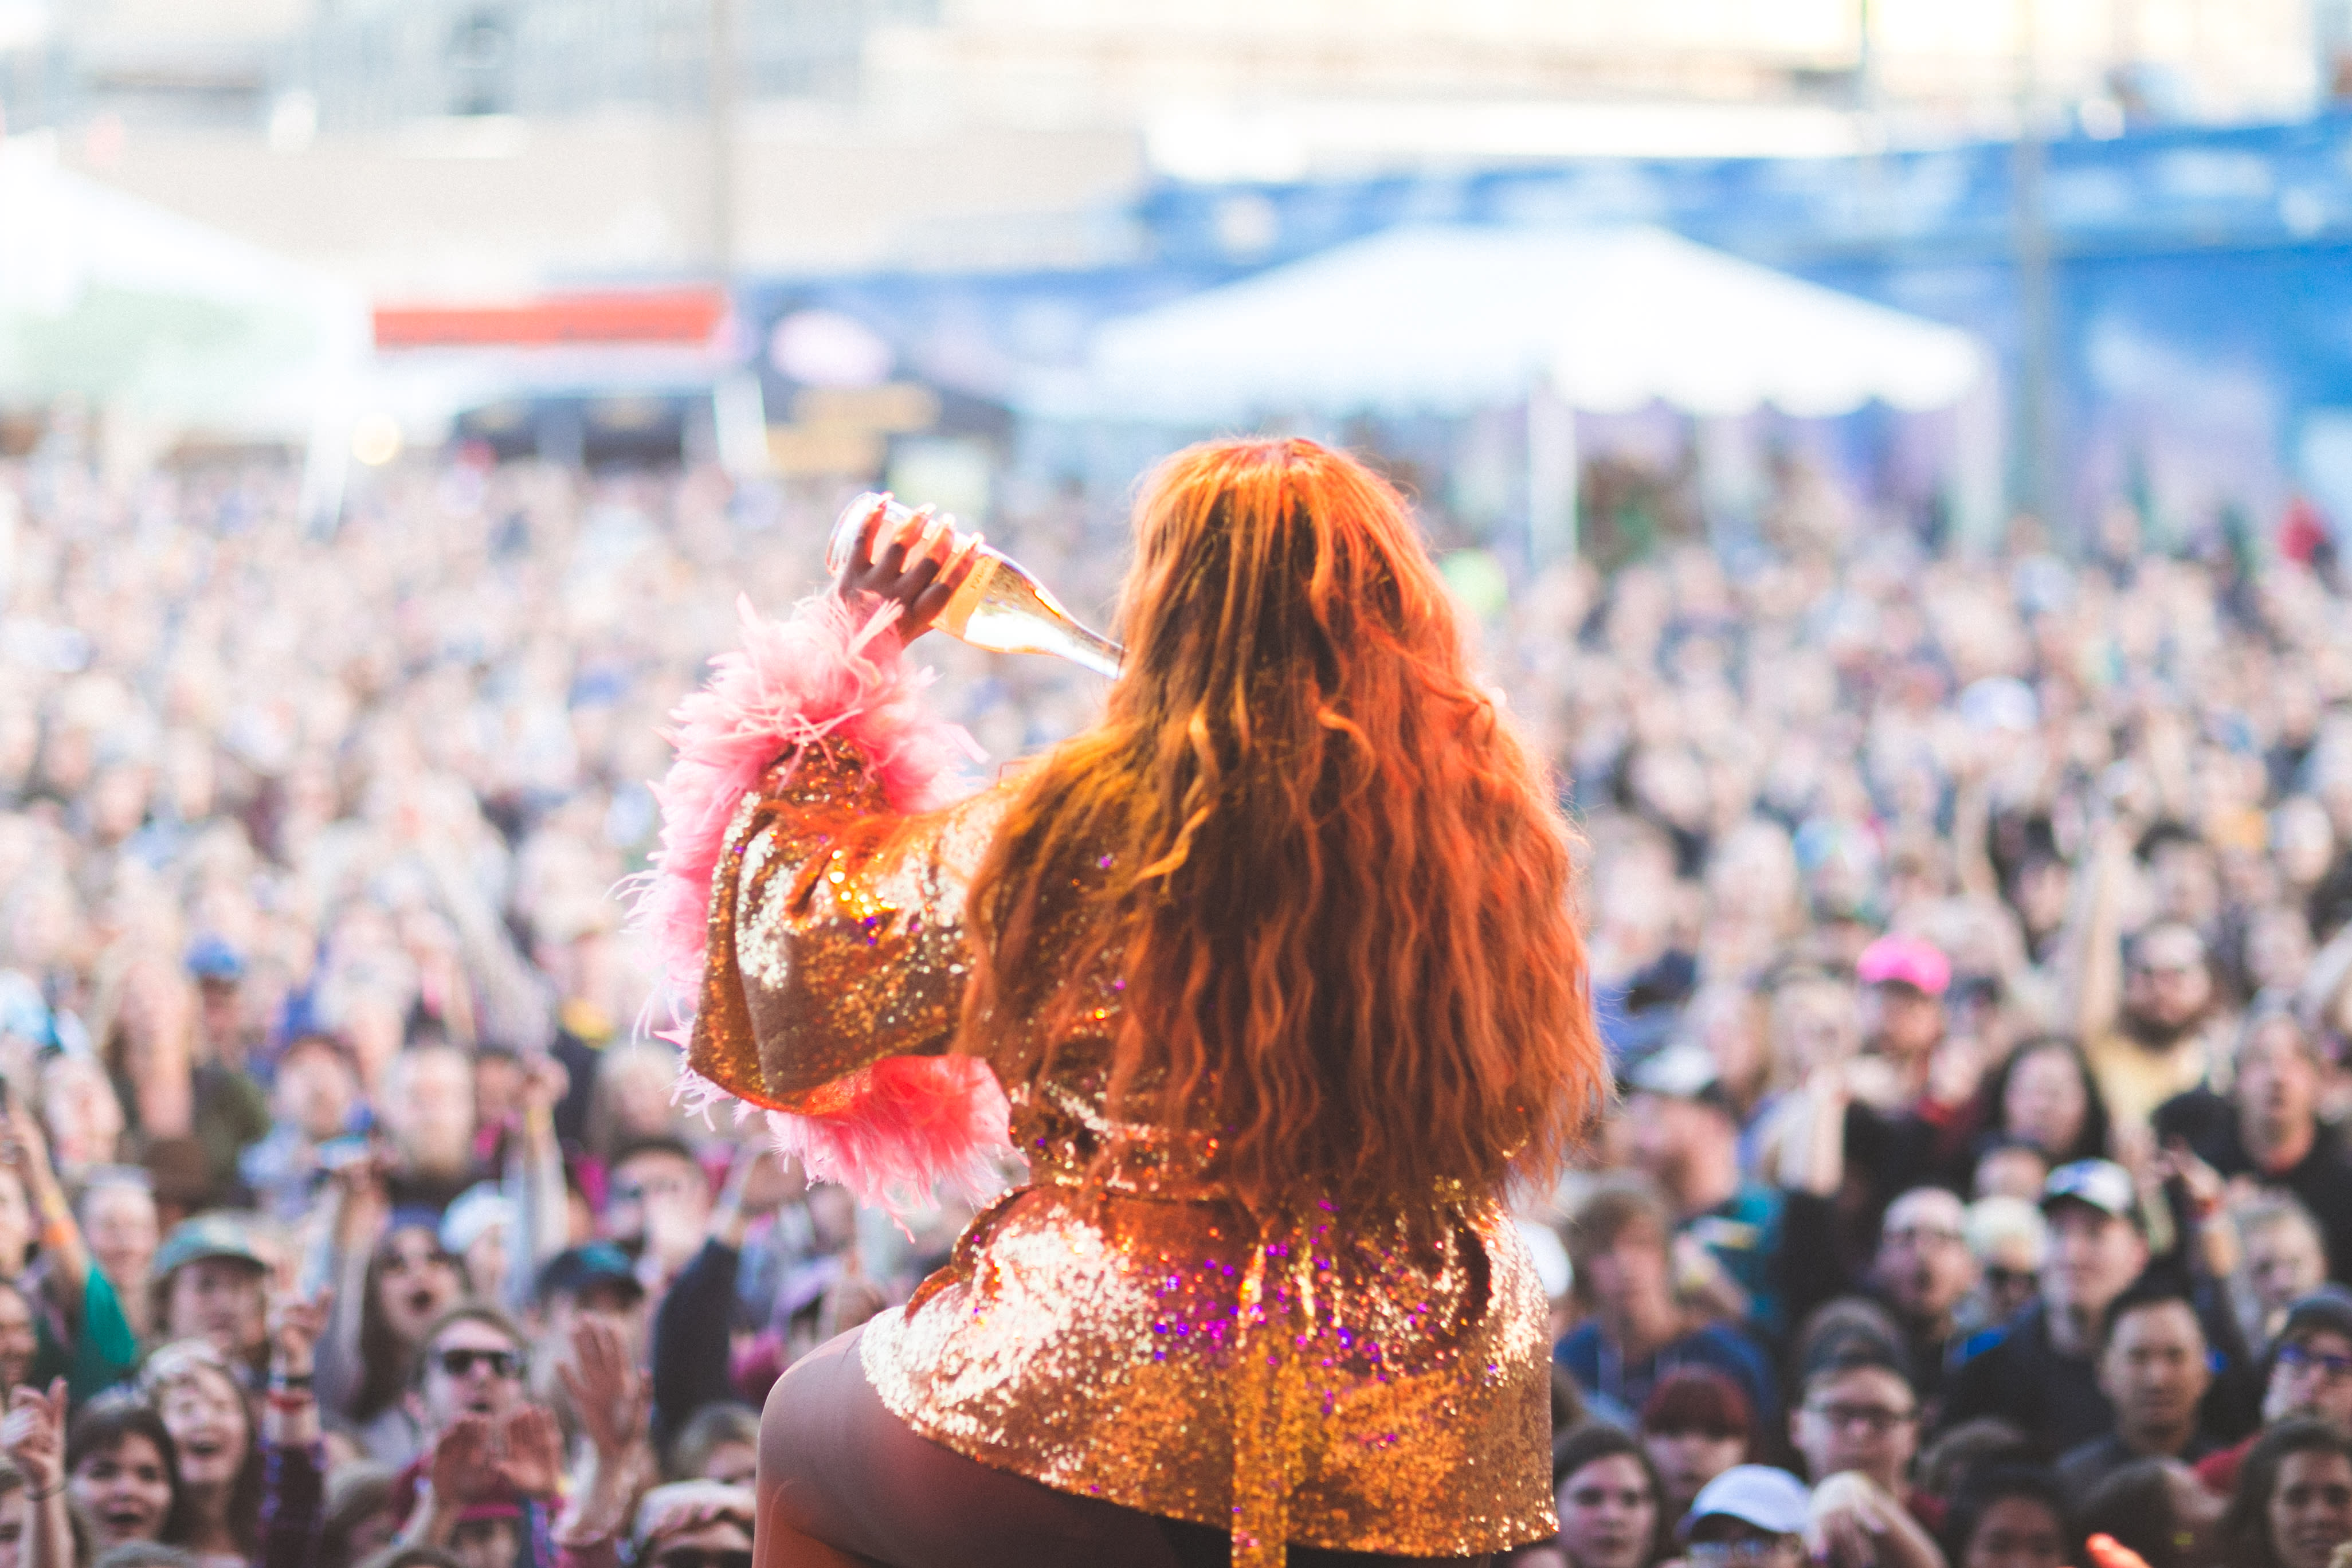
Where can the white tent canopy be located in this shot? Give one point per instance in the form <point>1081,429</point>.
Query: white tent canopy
<point>110,298</point>
<point>1447,320</point>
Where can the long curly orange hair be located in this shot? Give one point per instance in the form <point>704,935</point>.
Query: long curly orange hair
<point>1329,872</point>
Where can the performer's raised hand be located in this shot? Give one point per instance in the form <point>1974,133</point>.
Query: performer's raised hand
<point>916,562</point>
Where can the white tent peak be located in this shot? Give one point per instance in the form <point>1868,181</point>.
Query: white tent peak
<point>73,248</point>
<point>69,231</point>
<point>1444,320</point>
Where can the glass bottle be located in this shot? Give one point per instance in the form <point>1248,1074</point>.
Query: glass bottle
<point>999,606</point>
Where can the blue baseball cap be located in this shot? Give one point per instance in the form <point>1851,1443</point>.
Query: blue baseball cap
<point>24,1012</point>
<point>211,958</point>
<point>577,1269</point>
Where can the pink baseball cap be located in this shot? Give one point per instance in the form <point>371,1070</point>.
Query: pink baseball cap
<point>1905,961</point>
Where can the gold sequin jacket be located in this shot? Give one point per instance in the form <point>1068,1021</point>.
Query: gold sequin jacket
<point>1309,1377</point>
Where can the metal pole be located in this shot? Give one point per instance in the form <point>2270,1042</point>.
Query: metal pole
<point>2037,486</point>
<point>1869,126</point>
<point>724,85</point>
<point>1554,470</point>
<point>1866,61</point>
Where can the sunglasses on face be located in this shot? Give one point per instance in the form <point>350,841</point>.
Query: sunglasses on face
<point>2301,1358</point>
<point>460,1363</point>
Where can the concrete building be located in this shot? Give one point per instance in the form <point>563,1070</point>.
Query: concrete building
<point>438,147</point>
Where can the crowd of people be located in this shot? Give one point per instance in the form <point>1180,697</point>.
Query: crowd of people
<point>344,1212</point>
<point>1972,939</point>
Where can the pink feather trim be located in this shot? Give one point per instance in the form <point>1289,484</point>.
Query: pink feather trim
<point>894,1131</point>
<point>819,673</point>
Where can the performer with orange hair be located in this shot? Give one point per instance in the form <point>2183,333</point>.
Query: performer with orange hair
<point>1278,969</point>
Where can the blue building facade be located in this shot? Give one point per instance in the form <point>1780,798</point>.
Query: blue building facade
<point>2194,353</point>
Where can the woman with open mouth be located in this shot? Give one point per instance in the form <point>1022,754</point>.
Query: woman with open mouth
<point>409,1280</point>
<point>122,1474</point>
<point>180,1461</point>
<point>219,1457</point>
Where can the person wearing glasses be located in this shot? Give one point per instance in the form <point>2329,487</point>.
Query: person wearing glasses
<point>2154,1371</point>
<point>1752,1516</point>
<point>1920,1267</point>
<point>492,1461</point>
<point>1857,1425</point>
<point>2007,1237</point>
<point>470,1364</point>
<point>2308,1371</point>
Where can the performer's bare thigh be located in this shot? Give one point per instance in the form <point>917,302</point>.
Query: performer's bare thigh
<point>835,1464</point>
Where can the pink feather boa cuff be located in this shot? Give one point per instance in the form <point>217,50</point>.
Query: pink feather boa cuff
<point>892,1132</point>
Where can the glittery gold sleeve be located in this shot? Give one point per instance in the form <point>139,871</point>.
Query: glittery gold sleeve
<point>835,936</point>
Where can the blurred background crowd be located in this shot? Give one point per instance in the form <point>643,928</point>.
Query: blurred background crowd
<point>1972,937</point>
<point>1891,458</point>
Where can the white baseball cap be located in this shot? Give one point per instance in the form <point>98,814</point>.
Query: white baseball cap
<point>2101,1184</point>
<point>1772,1499</point>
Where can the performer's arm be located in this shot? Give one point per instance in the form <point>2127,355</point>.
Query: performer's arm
<point>836,930</point>
<point>809,894</point>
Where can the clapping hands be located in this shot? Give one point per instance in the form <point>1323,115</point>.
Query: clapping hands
<point>477,1459</point>
<point>606,1388</point>
<point>33,1433</point>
